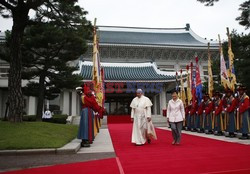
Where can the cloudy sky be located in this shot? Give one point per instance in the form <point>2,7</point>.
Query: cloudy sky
<point>207,22</point>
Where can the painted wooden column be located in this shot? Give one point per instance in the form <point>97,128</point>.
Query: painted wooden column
<point>65,102</point>
<point>31,105</point>
<point>163,99</point>
<point>154,105</point>
<point>73,103</point>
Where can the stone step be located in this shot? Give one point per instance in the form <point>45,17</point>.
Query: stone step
<point>76,120</point>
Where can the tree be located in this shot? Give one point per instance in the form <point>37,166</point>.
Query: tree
<point>47,10</point>
<point>58,35</point>
<point>244,18</point>
<point>18,10</point>
<point>241,50</point>
<point>59,38</point>
<point>208,2</point>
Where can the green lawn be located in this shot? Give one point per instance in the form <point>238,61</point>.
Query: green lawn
<point>35,135</point>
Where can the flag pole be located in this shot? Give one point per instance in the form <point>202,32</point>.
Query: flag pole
<point>209,61</point>
<point>219,42</point>
<point>210,73</point>
<point>229,37</point>
<point>229,47</point>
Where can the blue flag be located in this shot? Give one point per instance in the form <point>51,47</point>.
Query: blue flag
<point>198,83</point>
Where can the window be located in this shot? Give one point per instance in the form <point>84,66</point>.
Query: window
<point>205,68</point>
<point>183,67</point>
<point>4,72</point>
<point>168,68</point>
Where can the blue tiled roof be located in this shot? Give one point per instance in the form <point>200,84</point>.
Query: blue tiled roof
<point>128,73</point>
<point>138,36</point>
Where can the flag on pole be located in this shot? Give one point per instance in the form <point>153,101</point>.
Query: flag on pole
<point>177,83</point>
<point>189,92</point>
<point>103,86</point>
<point>97,78</point>
<point>231,74</point>
<point>223,68</point>
<point>233,80</point>
<point>182,92</point>
<point>210,74</point>
<point>198,82</point>
<point>193,83</point>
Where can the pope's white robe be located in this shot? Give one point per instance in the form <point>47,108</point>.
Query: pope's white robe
<point>142,129</point>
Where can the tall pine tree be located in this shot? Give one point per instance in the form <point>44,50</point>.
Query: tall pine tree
<point>50,44</point>
<point>18,10</point>
<point>58,35</point>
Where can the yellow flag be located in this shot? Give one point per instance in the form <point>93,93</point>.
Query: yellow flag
<point>210,74</point>
<point>231,72</point>
<point>97,78</point>
<point>182,93</point>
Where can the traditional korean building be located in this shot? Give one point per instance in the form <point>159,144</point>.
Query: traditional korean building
<point>132,57</point>
<point>124,51</point>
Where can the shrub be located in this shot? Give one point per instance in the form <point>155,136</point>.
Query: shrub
<point>58,118</point>
<point>61,119</point>
<point>29,118</point>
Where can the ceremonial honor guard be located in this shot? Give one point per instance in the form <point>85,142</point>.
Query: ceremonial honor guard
<point>230,113</point>
<point>193,116</point>
<point>217,120</point>
<point>243,114</point>
<point>86,128</point>
<point>199,113</point>
<point>208,114</point>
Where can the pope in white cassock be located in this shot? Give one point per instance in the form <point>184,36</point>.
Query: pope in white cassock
<point>143,129</point>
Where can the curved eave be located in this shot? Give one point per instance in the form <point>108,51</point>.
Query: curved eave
<point>136,81</point>
<point>202,47</point>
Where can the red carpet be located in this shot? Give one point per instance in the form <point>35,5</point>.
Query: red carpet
<point>195,155</point>
<point>119,119</point>
<point>105,166</point>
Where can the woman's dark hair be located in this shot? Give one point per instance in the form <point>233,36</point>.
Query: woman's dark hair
<point>174,91</point>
